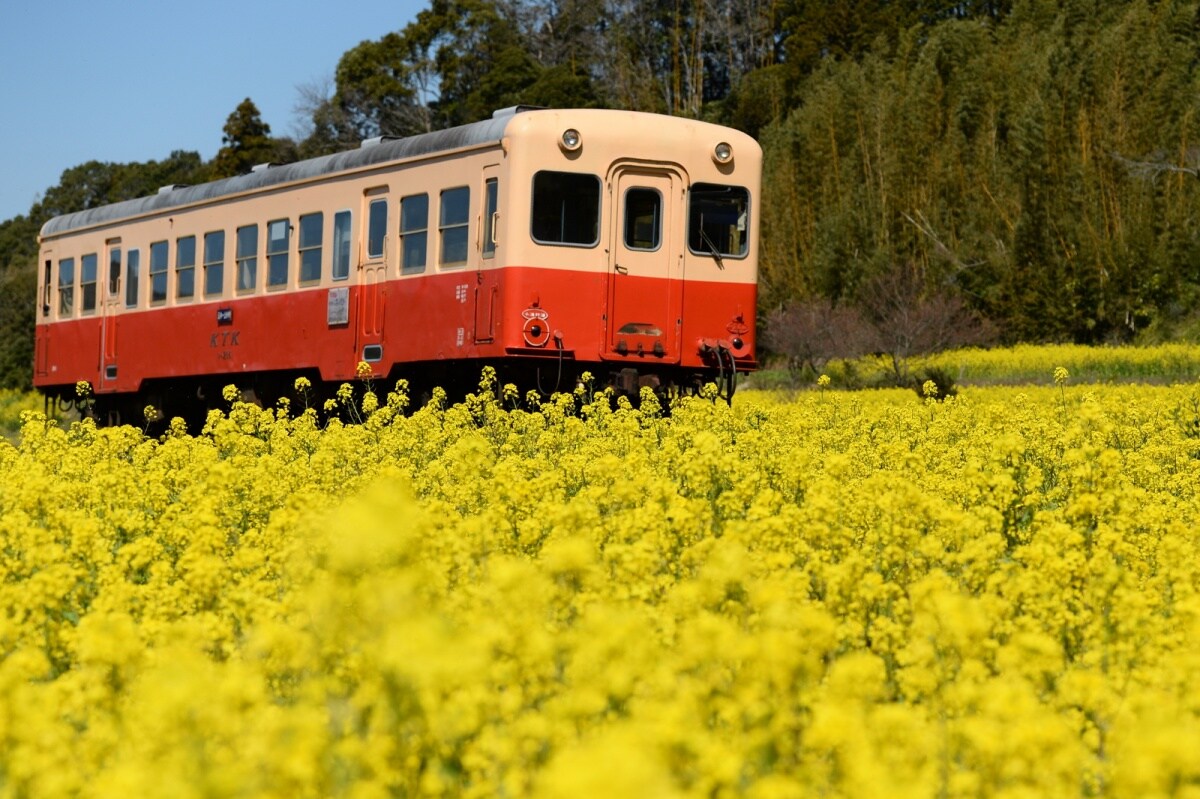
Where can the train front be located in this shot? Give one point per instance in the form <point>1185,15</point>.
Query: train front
<point>632,248</point>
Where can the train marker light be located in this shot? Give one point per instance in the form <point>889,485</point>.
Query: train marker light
<point>723,153</point>
<point>571,140</point>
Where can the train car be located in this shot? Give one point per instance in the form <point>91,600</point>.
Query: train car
<point>543,242</point>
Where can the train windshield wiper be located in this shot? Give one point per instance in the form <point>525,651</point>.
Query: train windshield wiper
<point>716,254</point>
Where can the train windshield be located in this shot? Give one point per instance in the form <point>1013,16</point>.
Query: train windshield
<point>566,208</point>
<point>718,219</point>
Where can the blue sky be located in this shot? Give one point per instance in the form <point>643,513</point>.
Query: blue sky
<point>132,80</point>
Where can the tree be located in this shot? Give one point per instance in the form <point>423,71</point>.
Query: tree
<point>18,293</point>
<point>248,142</point>
<point>905,316</point>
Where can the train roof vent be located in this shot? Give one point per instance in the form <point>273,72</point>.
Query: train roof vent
<point>261,167</point>
<point>377,140</point>
<point>170,187</point>
<point>516,109</point>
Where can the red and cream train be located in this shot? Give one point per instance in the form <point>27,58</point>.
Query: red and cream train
<point>542,242</point>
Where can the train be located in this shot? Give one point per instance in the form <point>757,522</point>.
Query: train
<point>546,243</point>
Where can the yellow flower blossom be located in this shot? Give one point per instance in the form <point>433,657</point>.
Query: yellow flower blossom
<point>839,594</point>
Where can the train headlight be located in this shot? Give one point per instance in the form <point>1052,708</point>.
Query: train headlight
<point>723,153</point>
<point>571,140</point>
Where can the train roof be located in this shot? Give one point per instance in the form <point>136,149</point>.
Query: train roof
<point>373,151</point>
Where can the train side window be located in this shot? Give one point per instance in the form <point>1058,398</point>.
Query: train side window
<point>414,233</point>
<point>453,225</point>
<point>311,233</point>
<point>66,287</point>
<point>133,262</point>
<point>87,283</point>
<point>643,219</point>
<point>185,267</point>
<point>341,245</point>
<point>717,220</point>
<point>491,197</point>
<point>247,258</point>
<point>566,209</point>
<point>214,263</point>
<point>277,252</point>
<point>158,272</point>
<point>46,288</point>
<point>376,228</point>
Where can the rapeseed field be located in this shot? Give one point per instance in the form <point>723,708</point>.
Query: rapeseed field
<point>832,594</point>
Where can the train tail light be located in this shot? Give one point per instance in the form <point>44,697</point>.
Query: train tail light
<point>536,329</point>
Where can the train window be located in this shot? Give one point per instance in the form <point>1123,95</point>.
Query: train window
<point>376,228</point>
<point>114,272</point>
<point>133,261</point>
<point>414,232</point>
<point>214,263</point>
<point>453,225</point>
<point>643,219</point>
<point>311,233</point>
<point>566,208</point>
<point>66,287</point>
<point>277,252</point>
<point>247,258</point>
<point>49,276</point>
<point>717,220</point>
<point>87,283</point>
<point>491,196</point>
<point>341,245</point>
<point>185,267</point>
<point>158,272</point>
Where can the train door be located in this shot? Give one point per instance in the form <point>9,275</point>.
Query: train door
<point>645,276</point>
<point>372,276</point>
<point>487,286</point>
<point>110,306</point>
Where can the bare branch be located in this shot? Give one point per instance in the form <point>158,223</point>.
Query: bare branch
<point>1150,170</point>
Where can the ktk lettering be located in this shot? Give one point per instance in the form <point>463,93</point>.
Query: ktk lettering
<point>227,339</point>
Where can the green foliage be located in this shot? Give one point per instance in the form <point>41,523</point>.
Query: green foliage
<point>18,242</point>
<point>991,155</point>
<point>248,142</point>
<point>18,293</point>
<point>96,183</point>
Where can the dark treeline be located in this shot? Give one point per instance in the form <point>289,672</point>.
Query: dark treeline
<point>1034,161</point>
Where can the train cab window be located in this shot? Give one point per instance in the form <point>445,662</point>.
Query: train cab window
<point>643,219</point>
<point>277,252</point>
<point>414,233</point>
<point>214,263</point>
<point>87,283</point>
<point>341,245</point>
<point>66,287</point>
<point>453,224</point>
<point>158,272</point>
<point>133,262</point>
<point>185,267</point>
<point>376,228</point>
<point>566,208</point>
<point>490,199</point>
<point>247,258</point>
<point>717,220</point>
<point>311,232</point>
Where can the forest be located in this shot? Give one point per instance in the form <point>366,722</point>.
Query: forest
<point>1005,171</point>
